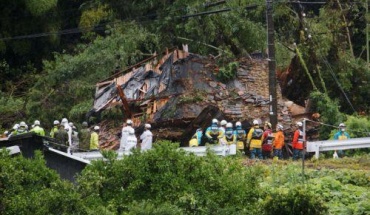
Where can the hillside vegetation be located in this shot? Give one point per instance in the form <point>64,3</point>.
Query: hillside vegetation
<point>53,52</point>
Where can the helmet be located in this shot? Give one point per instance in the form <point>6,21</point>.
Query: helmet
<point>342,125</point>
<point>129,122</point>
<point>96,128</point>
<point>36,122</point>
<point>16,126</point>
<point>70,124</point>
<point>214,121</point>
<point>238,124</point>
<point>280,127</point>
<point>255,122</point>
<point>299,124</point>
<point>223,122</point>
<point>56,122</point>
<point>148,126</point>
<point>6,132</point>
<point>84,124</point>
<point>268,124</point>
<point>229,125</point>
<point>64,120</point>
<point>22,124</point>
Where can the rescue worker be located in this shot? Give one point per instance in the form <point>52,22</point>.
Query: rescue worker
<point>240,135</point>
<point>61,135</point>
<point>221,138</point>
<point>297,142</point>
<point>146,138</point>
<point>84,137</point>
<point>14,130</point>
<point>38,129</point>
<point>94,139</point>
<point>69,129</point>
<point>278,142</point>
<point>230,134</point>
<point>213,133</point>
<point>196,139</point>
<point>75,139</point>
<point>254,140</point>
<point>340,135</point>
<point>125,134</point>
<point>267,141</point>
<point>22,129</point>
<point>223,124</point>
<point>55,128</point>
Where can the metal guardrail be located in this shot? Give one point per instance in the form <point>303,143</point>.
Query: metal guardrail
<point>331,145</point>
<point>222,150</point>
<point>13,150</point>
<point>87,157</point>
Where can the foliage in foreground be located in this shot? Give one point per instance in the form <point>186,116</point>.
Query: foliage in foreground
<point>166,180</point>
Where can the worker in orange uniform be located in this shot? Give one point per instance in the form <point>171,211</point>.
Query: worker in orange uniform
<point>279,142</point>
<point>298,141</point>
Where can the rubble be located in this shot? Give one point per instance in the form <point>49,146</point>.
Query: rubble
<point>178,92</point>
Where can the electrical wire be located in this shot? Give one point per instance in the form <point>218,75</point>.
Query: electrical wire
<point>96,27</point>
<point>366,132</point>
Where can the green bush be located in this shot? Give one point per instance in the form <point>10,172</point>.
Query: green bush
<point>29,187</point>
<point>228,72</point>
<point>296,200</point>
<point>200,185</point>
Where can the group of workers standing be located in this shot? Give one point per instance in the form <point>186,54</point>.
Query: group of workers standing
<point>129,140</point>
<point>259,142</point>
<point>65,133</point>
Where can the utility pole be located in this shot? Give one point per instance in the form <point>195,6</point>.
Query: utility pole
<point>272,64</point>
<point>367,33</point>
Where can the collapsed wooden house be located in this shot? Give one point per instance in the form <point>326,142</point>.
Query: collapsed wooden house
<point>178,92</point>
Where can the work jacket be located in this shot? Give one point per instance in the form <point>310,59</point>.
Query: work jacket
<point>94,141</point>
<point>298,139</point>
<point>279,140</point>
<point>255,137</point>
<point>38,130</point>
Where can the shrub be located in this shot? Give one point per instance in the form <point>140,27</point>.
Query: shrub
<point>297,200</point>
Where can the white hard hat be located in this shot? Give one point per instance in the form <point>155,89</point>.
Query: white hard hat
<point>229,125</point>
<point>70,124</point>
<point>6,132</point>
<point>96,127</point>
<point>56,122</point>
<point>223,122</point>
<point>255,122</point>
<point>36,122</point>
<point>148,126</point>
<point>299,124</point>
<point>238,124</point>
<point>214,121</point>
<point>280,127</point>
<point>16,126</point>
<point>64,120</point>
<point>22,124</point>
<point>342,125</point>
<point>129,122</point>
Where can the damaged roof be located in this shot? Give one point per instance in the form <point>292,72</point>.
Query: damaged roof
<point>172,89</point>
